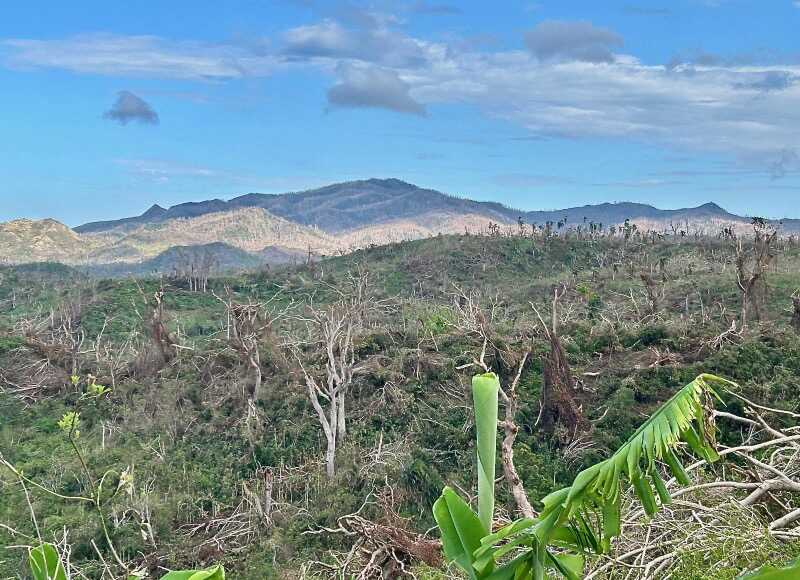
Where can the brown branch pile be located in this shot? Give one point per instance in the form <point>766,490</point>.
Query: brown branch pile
<point>382,549</point>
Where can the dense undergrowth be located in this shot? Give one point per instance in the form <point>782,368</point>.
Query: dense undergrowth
<point>200,466</point>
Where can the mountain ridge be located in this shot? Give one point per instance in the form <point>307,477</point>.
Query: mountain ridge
<point>333,219</point>
<point>344,206</point>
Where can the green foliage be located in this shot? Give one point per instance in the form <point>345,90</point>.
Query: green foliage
<point>586,515</point>
<point>214,573</point>
<point>790,572</point>
<point>485,389</point>
<point>9,343</point>
<point>181,427</point>
<point>46,564</point>
<point>69,424</point>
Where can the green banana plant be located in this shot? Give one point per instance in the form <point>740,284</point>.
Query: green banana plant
<point>214,573</point>
<point>789,572</point>
<point>585,516</point>
<point>45,564</point>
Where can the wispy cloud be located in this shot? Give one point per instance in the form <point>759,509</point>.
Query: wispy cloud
<point>162,171</point>
<point>370,40</point>
<point>139,56</point>
<point>574,80</point>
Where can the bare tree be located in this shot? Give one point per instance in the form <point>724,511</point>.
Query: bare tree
<point>335,328</point>
<point>248,331</point>
<point>57,336</point>
<point>510,429</point>
<point>473,319</point>
<point>164,341</point>
<point>752,264</point>
<point>195,267</point>
<point>655,295</point>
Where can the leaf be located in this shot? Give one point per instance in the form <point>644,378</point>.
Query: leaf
<point>214,573</point>
<point>596,490</point>
<point>569,565</point>
<point>586,515</point>
<point>46,564</point>
<point>460,528</point>
<point>485,389</point>
<point>790,572</point>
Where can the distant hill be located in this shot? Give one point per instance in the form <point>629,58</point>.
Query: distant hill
<point>347,208</point>
<point>336,208</point>
<point>45,240</point>
<point>335,219</point>
<point>222,257</point>
<point>248,228</point>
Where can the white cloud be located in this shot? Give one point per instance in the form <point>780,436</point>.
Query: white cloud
<point>163,171</point>
<point>145,56</point>
<point>747,111</point>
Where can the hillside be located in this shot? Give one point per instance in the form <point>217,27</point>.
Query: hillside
<point>250,229</point>
<point>253,236</point>
<point>335,208</point>
<point>222,473</point>
<point>220,257</point>
<point>41,241</point>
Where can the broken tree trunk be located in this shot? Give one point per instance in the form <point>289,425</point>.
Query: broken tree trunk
<point>558,404</point>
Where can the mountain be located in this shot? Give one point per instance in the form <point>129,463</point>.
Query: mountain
<point>40,240</point>
<point>248,228</point>
<point>355,208</point>
<point>336,208</point>
<point>259,228</point>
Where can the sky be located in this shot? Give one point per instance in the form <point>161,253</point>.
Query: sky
<point>107,108</point>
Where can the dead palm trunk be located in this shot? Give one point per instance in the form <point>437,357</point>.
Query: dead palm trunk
<point>558,404</point>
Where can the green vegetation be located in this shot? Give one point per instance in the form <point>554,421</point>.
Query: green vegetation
<point>220,471</point>
<point>584,516</point>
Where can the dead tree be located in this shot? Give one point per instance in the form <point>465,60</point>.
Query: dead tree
<point>196,268</point>
<point>558,404</point>
<point>249,330</point>
<point>654,294</point>
<point>510,429</point>
<point>163,340</point>
<point>473,319</point>
<point>752,264</point>
<point>335,329</point>
<point>57,337</point>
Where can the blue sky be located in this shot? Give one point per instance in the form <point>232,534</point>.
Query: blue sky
<point>107,109</point>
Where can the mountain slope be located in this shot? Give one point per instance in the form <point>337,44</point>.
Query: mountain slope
<point>251,232</point>
<point>407,210</point>
<point>221,257</point>
<point>250,229</point>
<point>334,209</point>
<point>45,240</point>
<point>328,220</point>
